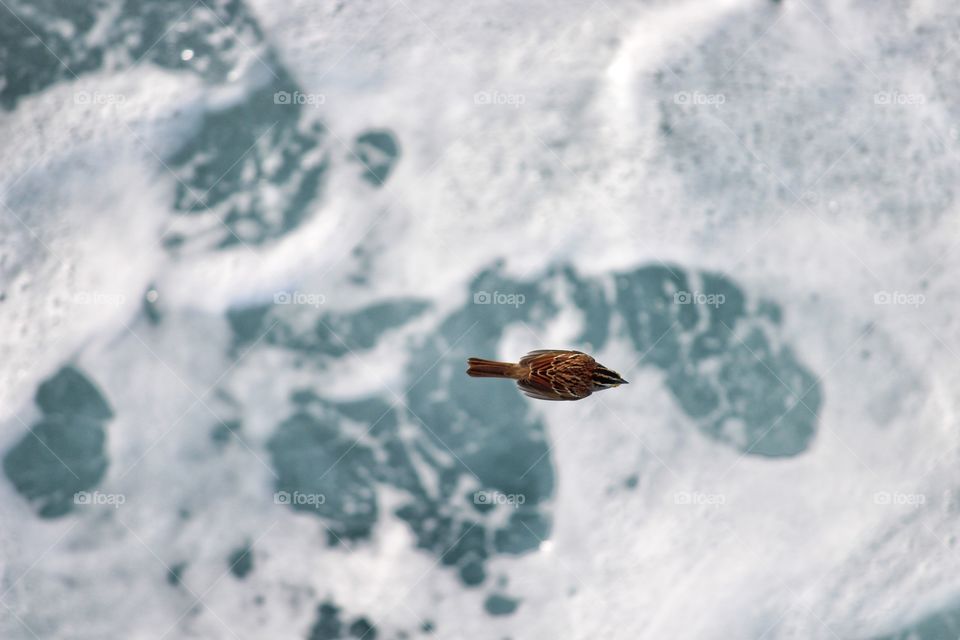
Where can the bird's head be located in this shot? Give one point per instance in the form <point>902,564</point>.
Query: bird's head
<point>604,378</point>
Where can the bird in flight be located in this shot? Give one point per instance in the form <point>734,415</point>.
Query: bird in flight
<point>550,375</point>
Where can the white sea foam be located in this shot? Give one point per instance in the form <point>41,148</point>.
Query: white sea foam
<point>710,544</point>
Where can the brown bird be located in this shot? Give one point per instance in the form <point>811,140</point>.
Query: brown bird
<point>550,375</point>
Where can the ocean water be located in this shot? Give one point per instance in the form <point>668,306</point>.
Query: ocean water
<point>247,246</point>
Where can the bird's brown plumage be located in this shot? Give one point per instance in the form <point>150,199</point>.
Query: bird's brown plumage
<point>550,374</point>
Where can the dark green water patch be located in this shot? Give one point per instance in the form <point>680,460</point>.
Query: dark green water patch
<point>240,561</point>
<point>941,624</point>
<point>724,358</point>
<point>499,605</point>
<point>378,151</point>
<point>63,453</point>
<point>175,574</point>
<point>329,626</point>
<point>307,329</point>
<point>46,41</point>
<point>253,168</point>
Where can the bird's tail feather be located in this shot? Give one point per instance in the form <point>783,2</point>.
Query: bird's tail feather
<point>480,368</point>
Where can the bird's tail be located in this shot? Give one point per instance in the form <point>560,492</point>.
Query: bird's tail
<point>480,368</point>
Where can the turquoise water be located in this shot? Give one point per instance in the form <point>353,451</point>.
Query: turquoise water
<point>248,248</point>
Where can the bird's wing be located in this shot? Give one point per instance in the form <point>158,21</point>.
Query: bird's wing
<point>547,377</point>
<point>543,356</point>
<point>543,393</point>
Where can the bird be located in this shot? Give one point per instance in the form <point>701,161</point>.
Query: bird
<point>550,374</point>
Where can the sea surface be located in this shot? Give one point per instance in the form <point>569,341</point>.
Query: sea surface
<point>246,247</point>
